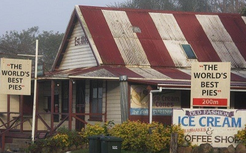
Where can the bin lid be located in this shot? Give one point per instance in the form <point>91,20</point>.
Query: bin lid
<point>111,138</point>
<point>94,137</point>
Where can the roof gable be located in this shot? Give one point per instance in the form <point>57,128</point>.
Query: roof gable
<point>78,48</point>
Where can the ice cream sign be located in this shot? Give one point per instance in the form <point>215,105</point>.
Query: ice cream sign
<point>210,84</point>
<point>15,76</point>
<point>215,126</point>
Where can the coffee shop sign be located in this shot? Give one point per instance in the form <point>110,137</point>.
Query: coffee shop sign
<point>216,127</point>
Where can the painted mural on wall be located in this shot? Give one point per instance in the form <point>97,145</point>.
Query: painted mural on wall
<point>214,126</point>
<point>163,102</point>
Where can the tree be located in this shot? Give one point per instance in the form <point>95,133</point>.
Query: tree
<point>147,4</point>
<point>49,44</point>
<point>194,5</point>
<point>221,6</point>
<point>13,43</point>
<point>229,6</point>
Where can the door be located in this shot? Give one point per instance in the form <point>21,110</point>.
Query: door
<point>27,105</point>
<point>80,103</point>
<point>65,98</point>
<point>56,107</point>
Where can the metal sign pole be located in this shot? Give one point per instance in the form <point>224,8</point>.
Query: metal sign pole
<point>35,94</point>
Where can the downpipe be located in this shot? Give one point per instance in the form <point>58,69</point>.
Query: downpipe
<point>151,103</point>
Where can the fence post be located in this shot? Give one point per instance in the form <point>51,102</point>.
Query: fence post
<point>174,143</point>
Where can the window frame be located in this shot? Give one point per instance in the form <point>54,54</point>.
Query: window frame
<point>96,100</point>
<point>187,53</point>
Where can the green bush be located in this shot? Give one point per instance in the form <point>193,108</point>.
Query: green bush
<point>144,137</point>
<point>96,129</point>
<point>137,136</point>
<point>62,140</point>
<point>241,135</point>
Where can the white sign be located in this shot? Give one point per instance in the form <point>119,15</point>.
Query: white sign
<point>214,126</point>
<point>15,76</point>
<point>210,84</point>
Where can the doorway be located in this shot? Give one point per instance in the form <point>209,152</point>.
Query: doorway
<point>80,103</point>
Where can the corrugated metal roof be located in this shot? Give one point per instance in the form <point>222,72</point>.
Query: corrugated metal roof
<point>160,34</point>
<point>164,77</point>
<point>146,44</point>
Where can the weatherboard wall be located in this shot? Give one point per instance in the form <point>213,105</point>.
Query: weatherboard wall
<point>78,52</point>
<point>113,102</point>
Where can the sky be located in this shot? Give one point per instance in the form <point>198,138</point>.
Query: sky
<point>48,15</point>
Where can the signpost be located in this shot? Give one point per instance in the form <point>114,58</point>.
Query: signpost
<point>15,79</point>
<point>210,84</point>
<point>15,76</point>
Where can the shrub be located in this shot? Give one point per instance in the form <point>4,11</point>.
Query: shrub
<point>133,133</point>
<point>137,136</point>
<point>96,129</point>
<point>241,135</point>
<point>63,139</point>
<point>143,137</point>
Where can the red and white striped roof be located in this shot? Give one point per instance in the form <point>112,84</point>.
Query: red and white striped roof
<point>146,44</point>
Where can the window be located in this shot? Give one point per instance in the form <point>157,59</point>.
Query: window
<point>189,51</point>
<point>96,94</point>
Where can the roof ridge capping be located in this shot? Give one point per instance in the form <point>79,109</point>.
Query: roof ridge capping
<point>150,10</point>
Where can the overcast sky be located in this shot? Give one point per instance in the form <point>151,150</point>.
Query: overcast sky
<point>48,15</point>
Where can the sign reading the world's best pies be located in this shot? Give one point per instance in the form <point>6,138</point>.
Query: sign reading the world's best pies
<point>210,84</point>
<point>15,78</point>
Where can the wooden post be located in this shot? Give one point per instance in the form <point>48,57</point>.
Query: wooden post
<point>124,98</point>
<point>3,142</point>
<point>21,111</point>
<point>174,143</point>
<point>52,106</point>
<point>8,110</point>
<point>70,111</point>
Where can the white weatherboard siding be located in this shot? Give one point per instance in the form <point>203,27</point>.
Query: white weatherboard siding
<point>113,102</point>
<point>80,55</point>
<point>221,40</point>
<point>14,106</point>
<point>172,37</point>
<point>3,100</point>
<point>126,40</point>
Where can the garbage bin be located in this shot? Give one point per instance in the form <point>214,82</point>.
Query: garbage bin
<point>94,144</point>
<point>111,144</point>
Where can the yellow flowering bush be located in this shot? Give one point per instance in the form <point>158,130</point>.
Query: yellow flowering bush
<point>241,135</point>
<point>61,140</point>
<point>133,133</point>
<point>144,137</point>
<point>91,130</point>
<point>137,136</point>
<point>96,129</point>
